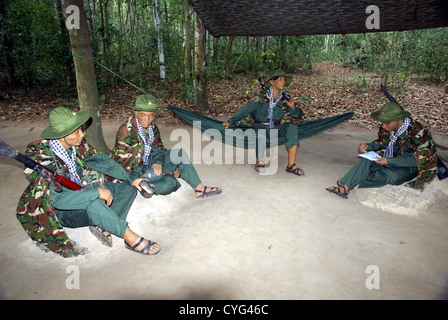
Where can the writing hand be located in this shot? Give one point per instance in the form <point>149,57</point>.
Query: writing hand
<point>381,161</point>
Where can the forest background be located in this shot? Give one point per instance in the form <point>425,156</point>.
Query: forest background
<point>161,47</point>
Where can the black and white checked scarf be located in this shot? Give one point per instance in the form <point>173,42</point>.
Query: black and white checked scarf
<point>59,150</point>
<point>272,104</point>
<point>390,148</point>
<point>147,142</point>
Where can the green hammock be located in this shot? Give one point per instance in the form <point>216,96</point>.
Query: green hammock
<point>241,135</point>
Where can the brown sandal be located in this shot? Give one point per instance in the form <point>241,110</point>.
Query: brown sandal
<point>145,250</point>
<point>295,171</point>
<point>259,165</point>
<point>211,191</point>
<point>104,236</point>
<point>337,191</point>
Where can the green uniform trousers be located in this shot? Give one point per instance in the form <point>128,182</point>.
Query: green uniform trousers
<point>368,174</point>
<point>97,213</point>
<point>287,129</point>
<point>173,159</point>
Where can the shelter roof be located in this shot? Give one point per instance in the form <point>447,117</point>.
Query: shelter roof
<point>306,17</point>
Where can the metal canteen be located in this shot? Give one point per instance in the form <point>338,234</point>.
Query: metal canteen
<point>151,176</point>
<point>148,188</point>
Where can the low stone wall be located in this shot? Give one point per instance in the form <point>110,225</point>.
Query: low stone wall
<point>403,200</point>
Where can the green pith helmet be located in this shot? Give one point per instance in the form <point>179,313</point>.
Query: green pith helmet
<point>146,102</point>
<point>390,112</point>
<point>63,121</point>
<point>278,73</point>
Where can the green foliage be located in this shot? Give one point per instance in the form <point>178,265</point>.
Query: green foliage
<point>393,55</point>
<point>33,28</point>
<point>127,44</point>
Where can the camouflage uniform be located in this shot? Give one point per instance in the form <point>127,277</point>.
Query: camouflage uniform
<point>129,150</point>
<point>415,156</point>
<point>34,210</point>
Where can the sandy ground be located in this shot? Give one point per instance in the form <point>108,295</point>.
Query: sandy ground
<point>265,237</point>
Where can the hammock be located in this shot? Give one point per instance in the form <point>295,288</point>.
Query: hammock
<point>242,135</point>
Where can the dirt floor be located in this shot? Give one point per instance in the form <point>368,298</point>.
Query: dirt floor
<point>271,237</point>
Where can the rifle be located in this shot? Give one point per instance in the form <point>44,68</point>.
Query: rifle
<point>442,170</point>
<point>52,177</point>
<point>391,99</point>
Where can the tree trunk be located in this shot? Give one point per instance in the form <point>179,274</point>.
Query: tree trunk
<point>216,55</point>
<point>158,22</point>
<point>85,75</point>
<point>65,41</point>
<point>243,53</point>
<point>228,58</point>
<point>282,52</point>
<point>120,39</point>
<point>200,84</point>
<point>131,16</point>
<point>187,41</point>
<point>105,34</point>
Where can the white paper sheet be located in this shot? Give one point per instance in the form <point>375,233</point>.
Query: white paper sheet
<point>371,155</point>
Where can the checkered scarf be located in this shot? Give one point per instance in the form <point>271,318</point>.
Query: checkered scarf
<point>389,153</point>
<point>147,142</point>
<point>272,104</point>
<point>59,150</point>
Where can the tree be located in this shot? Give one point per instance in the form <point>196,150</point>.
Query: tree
<point>85,71</point>
<point>158,22</point>
<point>228,57</point>
<point>200,84</point>
<point>187,40</point>
<point>106,39</point>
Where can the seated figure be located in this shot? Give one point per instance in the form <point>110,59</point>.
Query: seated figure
<point>103,206</point>
<point>140,151</point>
<point>408,152</point>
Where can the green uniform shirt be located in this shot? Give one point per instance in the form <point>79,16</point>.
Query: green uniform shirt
<point>80,199</point>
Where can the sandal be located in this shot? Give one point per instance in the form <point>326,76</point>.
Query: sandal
<point>259,165</point>
<point>212,191</point>
<point>104,236</point>
<point>337,191</point>
<point>145,250</point>
<point>295,171</point>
